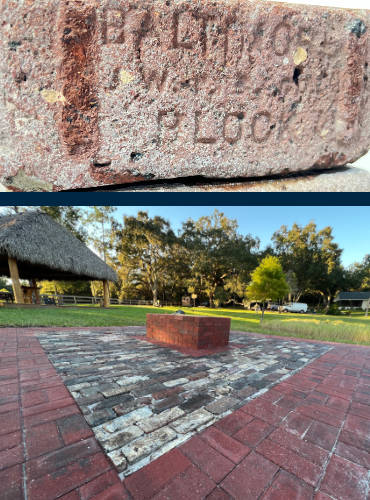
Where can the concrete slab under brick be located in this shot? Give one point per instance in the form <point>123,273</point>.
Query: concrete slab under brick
<point>111,94</point>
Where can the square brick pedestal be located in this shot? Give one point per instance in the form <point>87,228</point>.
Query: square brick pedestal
<point>195,332</point>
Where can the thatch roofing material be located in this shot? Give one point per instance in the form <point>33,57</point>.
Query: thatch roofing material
<point>46,250</point>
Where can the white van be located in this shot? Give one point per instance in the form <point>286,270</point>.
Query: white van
<point>295,307</point>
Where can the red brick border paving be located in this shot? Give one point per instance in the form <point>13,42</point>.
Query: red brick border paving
<point>47,449</point>
<point>308,437</point>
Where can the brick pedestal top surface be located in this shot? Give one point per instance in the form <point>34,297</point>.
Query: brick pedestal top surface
<point>115,93</point>
<point>195,332</point>
<point>306,437</point>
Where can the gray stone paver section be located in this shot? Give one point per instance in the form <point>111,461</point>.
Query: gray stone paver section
<point>143,399</point>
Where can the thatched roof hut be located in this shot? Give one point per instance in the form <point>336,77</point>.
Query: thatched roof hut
<point>34,246</point>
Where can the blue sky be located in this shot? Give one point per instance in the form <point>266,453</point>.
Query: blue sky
<point>351,225</point>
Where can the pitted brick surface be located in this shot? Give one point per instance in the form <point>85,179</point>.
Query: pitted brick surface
<point>113,92</point>
<point>196,332</point>
<point>142,399</point>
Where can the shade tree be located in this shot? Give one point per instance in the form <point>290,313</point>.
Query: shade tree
<point>268,283</point>
<point>217,254</point>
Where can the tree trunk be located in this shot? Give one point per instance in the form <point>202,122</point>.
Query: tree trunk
<point>155,296</point>
<point>37,292</point>
<point>210,296</point>
<point>263,312</point>
<point>106,301</point>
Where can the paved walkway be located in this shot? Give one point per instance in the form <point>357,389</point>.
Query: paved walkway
<point>142,399</point>
<point>307,437</point>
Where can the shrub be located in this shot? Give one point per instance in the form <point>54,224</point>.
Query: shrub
<point>333,310</point>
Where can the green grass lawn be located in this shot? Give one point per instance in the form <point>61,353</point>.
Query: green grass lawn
<point>354,329</point>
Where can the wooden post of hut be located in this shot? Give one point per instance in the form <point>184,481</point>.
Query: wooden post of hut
<point>14,274</point>
<point>106,301</point>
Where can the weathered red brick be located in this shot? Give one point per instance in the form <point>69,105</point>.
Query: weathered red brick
<point>234,422</point>
<point>353,454</point>
<point>45,407</point>
<point>114,492</point>
<point>286,486</point>
<point>322,435</point>
<point>11,483</point>
<point>100,484</point>
<point>358,425</point>
<point>322,496</point>
<point>360,410</point>
<point>48,464</point>
<point>256,84</point>
<point>322,414</point>
<point>8,407</point>
<point>192,484</point>
<point>11,456</point>
<point>265,410</point>
<point>32,386</point>
<point>10,440</point>
<point>72,495</point>
<point>149,480</point>
<point>219,494</point>
<point>194,332</point>
<point>344,479</point>
<point>73,428</point>
<point>34,398</point>
<point>229,447</point>
<point>67,477</point>
<point>42,439</point>
<point>9,390</point>
<point>297,424</point>
<point>253,432</point>
<point>359,441</point>
<point>307,450</point>
<point>250,477</point>
<point>210,461</point>
<point>48,416</point>
<point>290,461</point>
<point>9,422</point>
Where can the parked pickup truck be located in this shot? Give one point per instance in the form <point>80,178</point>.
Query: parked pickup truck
<point>295,307</point>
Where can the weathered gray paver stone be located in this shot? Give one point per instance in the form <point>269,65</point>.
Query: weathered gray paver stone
<point>119,438</point>
<point>152,401</point>
<point>118,459</point>
<point>129,381</point>
<point>191,421</point>
<point>116,92</point>
<point>221,405</point>
<point>156,421</point>
<point>145,445</point>
<point>128,419</point>
<point>178,381</point>
<point>115,391</point>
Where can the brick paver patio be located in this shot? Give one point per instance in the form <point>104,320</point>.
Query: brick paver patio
<point>269,418</point>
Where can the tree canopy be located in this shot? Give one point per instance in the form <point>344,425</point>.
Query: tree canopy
<point>143,251</point>
<point>312,257</point>
<point>268,282</point>
<point>207,257</point>
<point>220,258</point>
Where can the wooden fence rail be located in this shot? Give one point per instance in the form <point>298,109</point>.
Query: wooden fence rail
<point>80,299</point>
